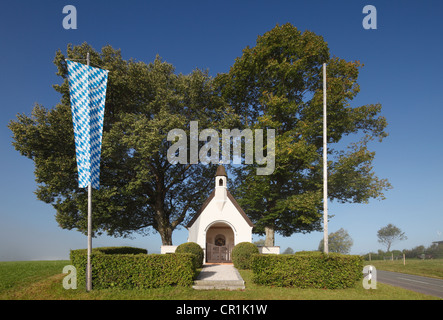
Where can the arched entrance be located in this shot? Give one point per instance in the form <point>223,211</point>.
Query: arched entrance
<point>220,240</point>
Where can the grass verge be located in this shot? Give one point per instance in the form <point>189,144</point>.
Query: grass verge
<point>42,280</point>
<point>427,268</point>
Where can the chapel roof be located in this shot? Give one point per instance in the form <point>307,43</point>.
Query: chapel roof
<point>230,197</point>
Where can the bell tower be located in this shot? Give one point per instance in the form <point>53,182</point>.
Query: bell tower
<point>221,187</point>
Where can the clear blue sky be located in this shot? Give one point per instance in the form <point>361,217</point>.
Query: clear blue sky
<point>403,71</point>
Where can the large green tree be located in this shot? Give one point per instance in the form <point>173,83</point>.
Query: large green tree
<point>139,188</point>
<point>278,84</point>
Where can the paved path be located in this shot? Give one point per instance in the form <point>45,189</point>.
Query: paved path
<point>219,276</point>
<point>426,285</point>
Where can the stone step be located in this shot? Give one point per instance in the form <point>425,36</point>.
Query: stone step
<point>219,285</point>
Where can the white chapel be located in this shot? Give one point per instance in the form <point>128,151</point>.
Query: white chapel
<point>220,223</point>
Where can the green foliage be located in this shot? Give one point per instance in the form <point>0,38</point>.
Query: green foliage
<point>118,250</point>
<point>139,189</point>
<point>195,249</point>
<point>140,271</point>
<point>278,84</point>
<point>339,241</point>
<point>242,255</point>
<point>434,251</point>
<point>288,250</point>
<point>41,280</point>
<point>275,84</point>
<point>308,270</point>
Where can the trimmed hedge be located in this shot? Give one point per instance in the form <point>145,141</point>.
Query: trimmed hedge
<point>116,250</point>
<point>242,255</point>
<point>195,249</point>
<point>308,270</point>
<point>141,271</point>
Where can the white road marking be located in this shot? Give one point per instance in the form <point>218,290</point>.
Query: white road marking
<point>413,280</point>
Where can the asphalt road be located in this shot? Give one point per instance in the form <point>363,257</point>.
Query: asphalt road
<point>431,286</point>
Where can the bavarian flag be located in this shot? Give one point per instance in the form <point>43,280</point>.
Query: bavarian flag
<point>87,88</point>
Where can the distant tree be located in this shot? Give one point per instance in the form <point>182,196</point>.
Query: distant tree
<point>415,252</point>
<point>288,251</point>
<point>339,241</point>
<point>435,250</point>
<point>390,234</point>
<point>259,243</point>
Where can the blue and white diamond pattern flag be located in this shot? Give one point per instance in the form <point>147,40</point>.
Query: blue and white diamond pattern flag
<point>87,87</point>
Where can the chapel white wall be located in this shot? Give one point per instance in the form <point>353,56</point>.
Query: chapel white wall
<point>212,215</point>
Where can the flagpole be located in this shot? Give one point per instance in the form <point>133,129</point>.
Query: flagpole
<point>325,168</point>
<point>83,84</point>
<point>88,267</point>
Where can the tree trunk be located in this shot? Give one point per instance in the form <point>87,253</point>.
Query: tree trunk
<point>166,236</point>
<point>163,226</point>
<point>269,241</point>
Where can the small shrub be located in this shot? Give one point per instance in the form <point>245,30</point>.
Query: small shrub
<point>242,255</point>
<point>195,249</point>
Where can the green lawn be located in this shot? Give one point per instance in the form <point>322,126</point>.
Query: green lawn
<point>43,280</point>
<point>17,274</point>
<point>427,268</point>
